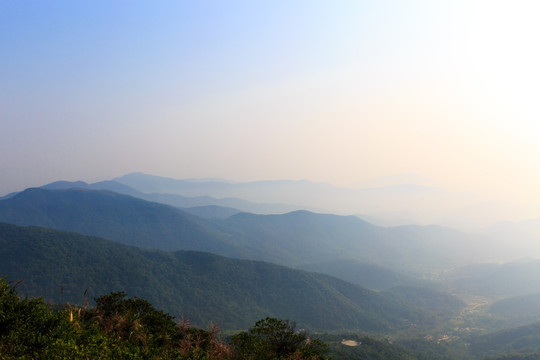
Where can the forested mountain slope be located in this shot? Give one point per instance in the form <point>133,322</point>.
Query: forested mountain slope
<point>201,286</point>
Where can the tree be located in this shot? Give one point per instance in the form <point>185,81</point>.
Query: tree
<point>116,328</point>
<point>272,338</point>
<point>27,326</point>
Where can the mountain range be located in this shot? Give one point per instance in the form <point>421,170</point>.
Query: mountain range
<point>291,239</point>
<point>398,202</point>
<point>63,266</point>
<point>392,203</point>
<point>191,256</point>
<point>180,201</point>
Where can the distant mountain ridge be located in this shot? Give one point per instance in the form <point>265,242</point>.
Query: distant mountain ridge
<point>303,194</point>
<point>212,211</point>
<point>419,201</point>
<point>325,237</point>
<point>399,204</point>
<point>114,216</point>
<point>184,202</point>
<point>290,239</point>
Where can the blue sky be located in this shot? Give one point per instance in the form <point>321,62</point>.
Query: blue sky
<point>333,91</point>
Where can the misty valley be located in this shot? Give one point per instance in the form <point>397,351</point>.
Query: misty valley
<point>259,256</point>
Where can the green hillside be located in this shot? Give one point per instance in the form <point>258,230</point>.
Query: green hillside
<point>520,340</point>
<point>518,310</point>
<point>439,303</point>
<point>200,286</point>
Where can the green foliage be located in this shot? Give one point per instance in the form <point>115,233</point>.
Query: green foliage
<point>26,326</point>
<point>271,338</point>
<point>133,320</point>
<point>117,328</point>
<point>130,328</point>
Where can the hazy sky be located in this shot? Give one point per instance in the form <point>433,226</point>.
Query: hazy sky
<point>333,91</point>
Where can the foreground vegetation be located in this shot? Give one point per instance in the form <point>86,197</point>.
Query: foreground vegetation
<point>118,327</point>
<point>124,328</point>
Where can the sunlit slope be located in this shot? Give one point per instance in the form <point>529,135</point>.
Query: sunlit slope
<point>200,286</point>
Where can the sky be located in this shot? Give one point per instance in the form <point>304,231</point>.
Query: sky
<point>331,91</point>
